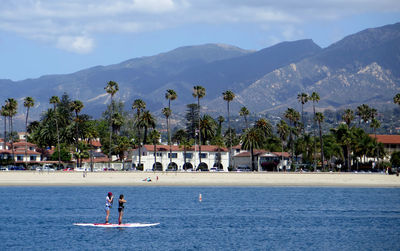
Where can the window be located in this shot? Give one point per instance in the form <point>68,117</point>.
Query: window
<point>20,157</point>
<point>33,158</point>
<point>189,155</point>
<point>144,153</point>
<point>174,155</point>
<point>203,155</point>
<point>158,154</point>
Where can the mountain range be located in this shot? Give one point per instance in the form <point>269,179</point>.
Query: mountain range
<point>361,68</point>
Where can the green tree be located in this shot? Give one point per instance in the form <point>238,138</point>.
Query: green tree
<point>155,138</point>
<point>252,138</point>
<point>228,96</point>
<point>28,103</point>
<point>302,98</point>
<point>170,95</point>
<point>167,112</point>
<point>111,88</point>
<point>138,105</point>
<point>192,122</point>
<point>147,121</point>
<point>348,117</point>
<point>396,99</point>
<point>395,159</point>
<point>293,116</point>
<point>4,113</point>
<point>11,107</point>
<point>77,107</point>
<point>208,128</point>
<point>199,92</point>
<point>244,112</point>
<point>319,117</point>
<point>315,99</point>
<point>55,100</point>
<point>283,131</point>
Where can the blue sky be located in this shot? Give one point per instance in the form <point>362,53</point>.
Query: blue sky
<point>41,37</point>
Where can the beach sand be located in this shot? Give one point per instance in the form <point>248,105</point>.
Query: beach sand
<point>60,178</point>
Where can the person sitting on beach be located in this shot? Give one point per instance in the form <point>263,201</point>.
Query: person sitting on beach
<point>121,207</point>
<point>109,202</point>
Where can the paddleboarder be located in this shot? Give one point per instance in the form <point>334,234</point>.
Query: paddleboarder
<point>109,202</point>
<point>121,207</point>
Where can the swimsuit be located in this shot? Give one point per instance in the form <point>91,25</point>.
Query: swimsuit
<point>120,206</point>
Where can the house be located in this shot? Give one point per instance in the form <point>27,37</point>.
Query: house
<point>159,158</point>
<point>264,160</point>
<point>391,143</point>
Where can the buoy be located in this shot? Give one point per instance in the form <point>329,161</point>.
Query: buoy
<point>200,198</point>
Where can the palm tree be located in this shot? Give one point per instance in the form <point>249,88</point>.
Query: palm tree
<point>199,92</point>
<point>28,103</point>
<point>207,128</point>
<point>244,112</point>
<point>344,136</point>
<point>265,127</point>
<point>375,124</point>
<point>319,117</point>
<point>252,138</point>
<point>139,105</point>
<point>147,121</point>
<point>55,100</point>
<point>170,95</point>
<point>167,112</point>
<point>11,107</point>
<point>302,98</point>
<point>315,99</point>
<point>228,96</point>
<point>111,88</point>
<point>4,113</point>
<point>283,130</point>
<point>348,116</point>
<point>363,112</point>
<point>293,116</point>
<point>77,107</point>
<point>396,99</point>
<point>220,120</point>
<point>155,138</point>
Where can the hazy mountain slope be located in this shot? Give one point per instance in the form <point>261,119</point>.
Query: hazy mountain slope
<point>361,68</point>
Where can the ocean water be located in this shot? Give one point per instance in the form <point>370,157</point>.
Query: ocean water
<point>228,218</point>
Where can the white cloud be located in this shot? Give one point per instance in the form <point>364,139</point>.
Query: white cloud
<point>79,44</point>
<point>72,24</point>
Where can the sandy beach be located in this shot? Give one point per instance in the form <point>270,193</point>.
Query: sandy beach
<point>59,178</point>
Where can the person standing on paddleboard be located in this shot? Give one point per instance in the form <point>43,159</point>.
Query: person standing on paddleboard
<point>121,207</point>
<point>109,202</point>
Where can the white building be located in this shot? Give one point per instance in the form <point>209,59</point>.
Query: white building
<point>209,158</point>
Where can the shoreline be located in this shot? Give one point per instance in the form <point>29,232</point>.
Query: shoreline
<point>264,179</point>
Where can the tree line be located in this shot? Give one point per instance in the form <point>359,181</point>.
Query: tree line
<point>64,127</point>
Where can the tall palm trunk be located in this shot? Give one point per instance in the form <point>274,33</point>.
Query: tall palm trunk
<point>111,131</point>
<point>5,132</point>
<point>169,135</point>
<point>26,137</point>
<point>322,145</point>
<point>58,139</point>
<point>198,107</point>
<point>12,140</point>
<point>315,141</point>
<point>230,139</point>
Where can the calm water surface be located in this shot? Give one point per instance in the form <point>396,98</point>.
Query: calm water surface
<point>228,218</point>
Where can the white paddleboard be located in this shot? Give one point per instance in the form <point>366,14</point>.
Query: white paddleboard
<point>116,225</point>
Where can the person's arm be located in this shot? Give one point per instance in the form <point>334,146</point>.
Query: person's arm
<point>122,200</point>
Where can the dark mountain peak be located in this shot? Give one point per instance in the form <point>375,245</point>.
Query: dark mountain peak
<point>368,38</point>
<point>187,54</point>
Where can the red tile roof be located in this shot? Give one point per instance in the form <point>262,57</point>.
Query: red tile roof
<point>387,139</point>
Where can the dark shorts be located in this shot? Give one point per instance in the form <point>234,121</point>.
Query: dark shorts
<point>120,209</point>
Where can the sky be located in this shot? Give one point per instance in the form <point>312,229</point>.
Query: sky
<point>43,37</point>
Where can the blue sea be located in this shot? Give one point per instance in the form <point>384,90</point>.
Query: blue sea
<point>228,218</point>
